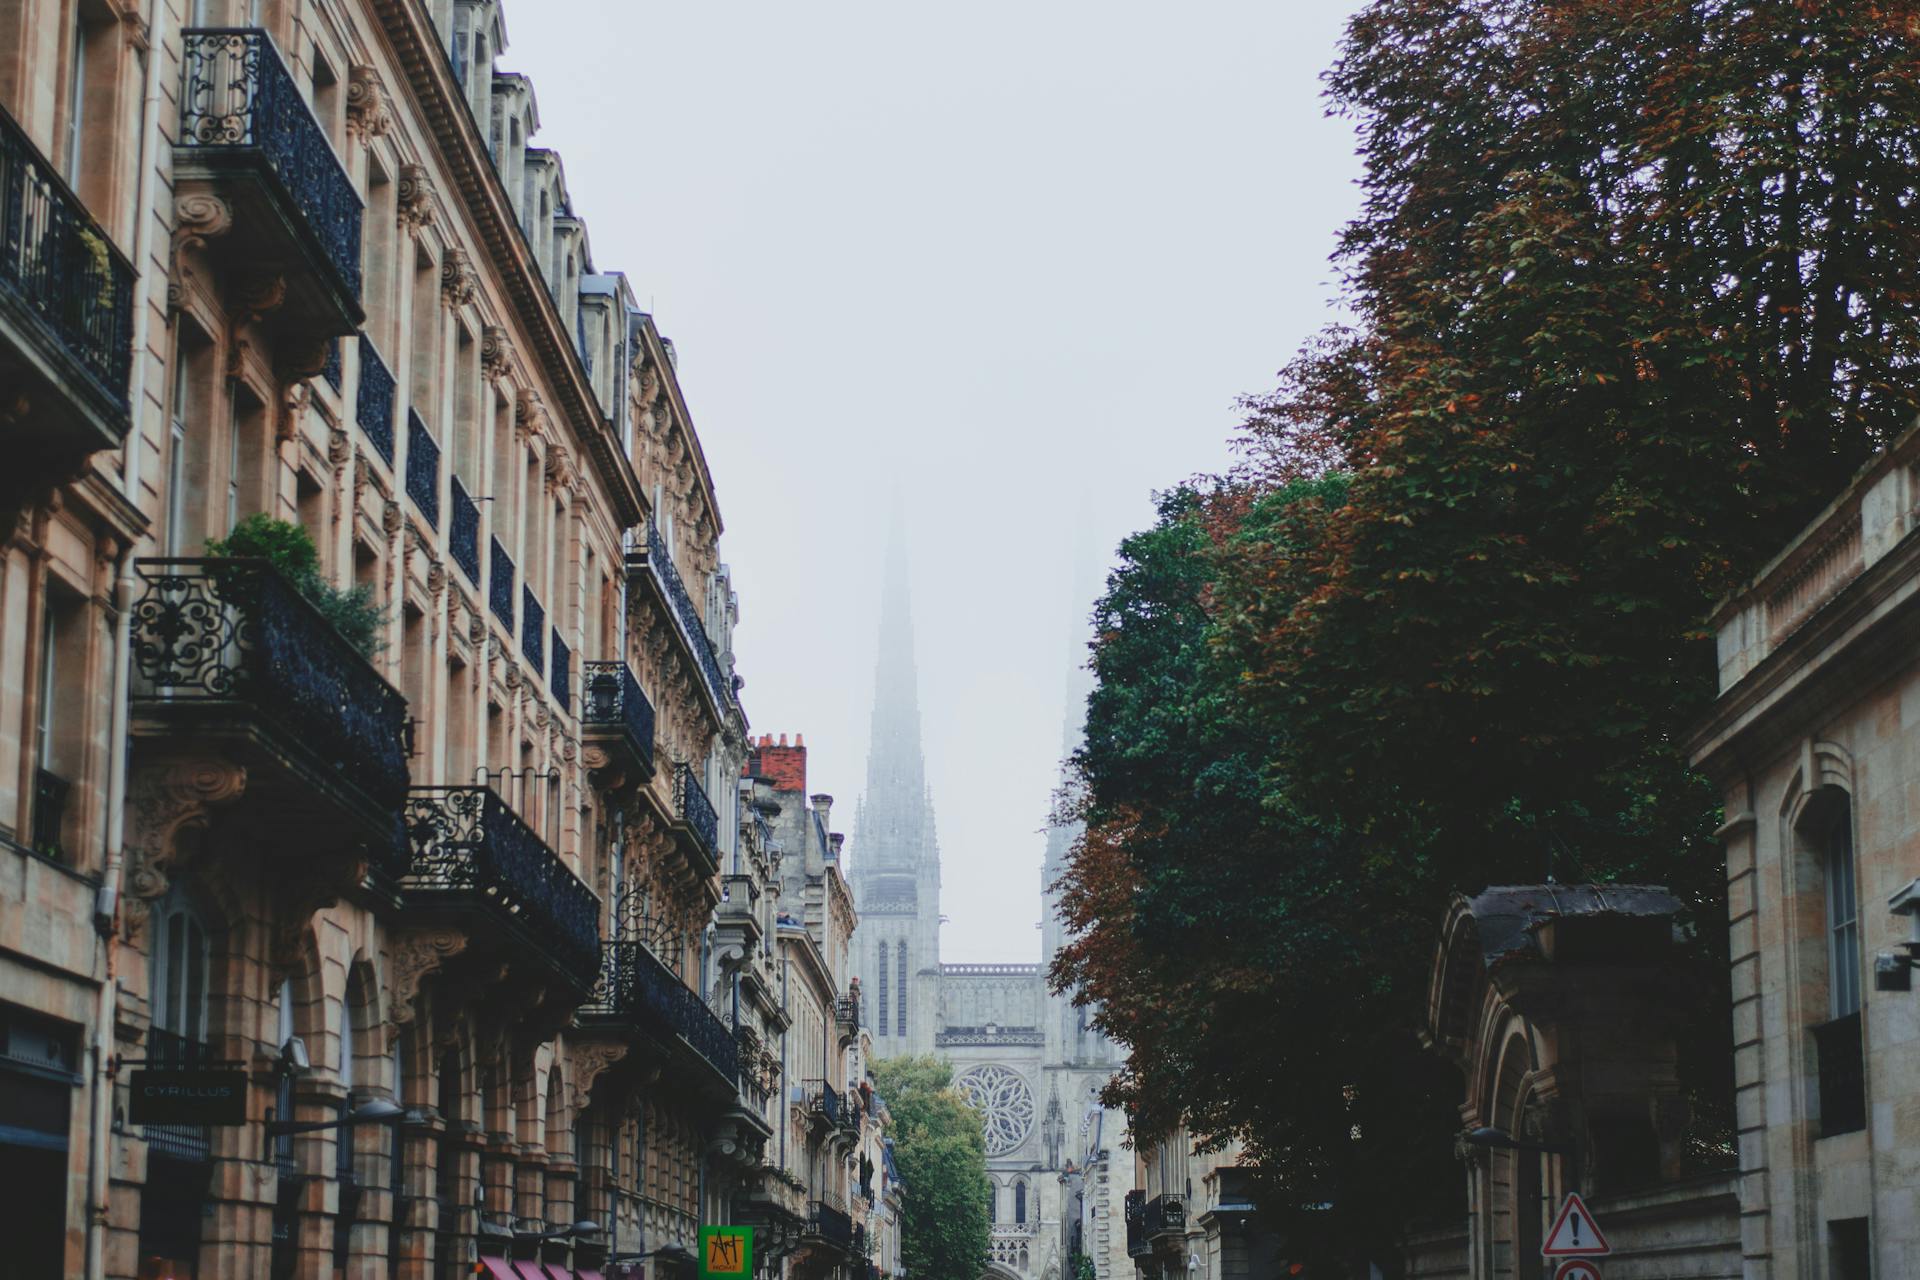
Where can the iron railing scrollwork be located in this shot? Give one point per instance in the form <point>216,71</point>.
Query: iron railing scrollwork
<point>1136,1217</point>
<point>533,629</point>
<point>463,530</point>
<point>466,841</point>
<point>61,267</point>
<point>373,399</point>
<point>423,468</point>
<point>230,628</point>
<point>613,698</point>
<point>691,625</point>
<point>696,810</point>
<point>1164,1215</point>
<point>560,676</point>
<point>635,983</point>
<point>500,582</point>
<point>237,94</point>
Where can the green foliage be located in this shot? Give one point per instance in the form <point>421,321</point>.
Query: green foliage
<point>289,549</point>
<point>1083,1268</point>
<point>939,1146</point>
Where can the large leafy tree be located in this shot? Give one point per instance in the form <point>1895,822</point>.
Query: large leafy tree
<point>1632,293</point>
<point>940,1147</point>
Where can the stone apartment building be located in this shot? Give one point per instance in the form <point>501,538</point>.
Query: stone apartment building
<point>805,1205</point>
<point>1813,742</point>
<point>437,903</point>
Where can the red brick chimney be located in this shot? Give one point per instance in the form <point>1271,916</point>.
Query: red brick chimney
<point>782,765</point>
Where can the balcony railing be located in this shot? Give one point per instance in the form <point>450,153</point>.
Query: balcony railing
<point>469,848</point>
<point>660,563</point>
<point>634,984</point>
<point>533,629</point>
<point>463,530</point>
<point>237,98</point>
<point>423,468</point>
<point>234,630</point>
<point>824,1101</point>
<point>612,702</point>
<point>1165,1215</point>
<point>50,793</point>
<point>373,401</point>
<point>1136,1215</point>
<point>500,582</point>
<point>691,803</point>
<point>58,265</point>
<point>560,675</point>
<point>830,1224</point>
<point>846,1010</point>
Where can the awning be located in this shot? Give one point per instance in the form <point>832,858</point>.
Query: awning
<point>529,1269</point>
<point>497,1268</point>
<point>588,1275</point>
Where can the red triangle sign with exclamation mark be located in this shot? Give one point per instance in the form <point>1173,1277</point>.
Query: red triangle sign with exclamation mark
<point>1575,1233</point>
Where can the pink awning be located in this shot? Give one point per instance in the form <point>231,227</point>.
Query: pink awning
<point>588,1275</point>
<point>527,1269</point>
<point>498,1268</point>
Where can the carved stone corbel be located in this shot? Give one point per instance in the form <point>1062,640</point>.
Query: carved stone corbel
<point>495,352</point>
<point>198,217</point>
<point>415,197</point>
<point>457,281</point>
<point>413,957</point>
<point>590,1062</point>
<point>529,414</point>
<point>367,115</point>
<point>166,804</point>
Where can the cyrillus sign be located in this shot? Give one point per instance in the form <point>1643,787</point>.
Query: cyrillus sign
<point>191,1096</point>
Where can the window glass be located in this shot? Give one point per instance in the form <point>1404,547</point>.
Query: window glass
<point>1843,922</point>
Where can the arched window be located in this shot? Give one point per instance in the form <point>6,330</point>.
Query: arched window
<point>181,959</point>
<point>1020,1202</point>
<point>882,970</point>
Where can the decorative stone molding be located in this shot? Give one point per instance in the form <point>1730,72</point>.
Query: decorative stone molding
<point>590,1061</point>
<point>415,197</point>
<point>367,116</point>
<point>457,279</point>
<point>496,353</point>
<point>529,413</point>
<point>166,803</point>
<point>413,957</point>
<point>198,217</point>
<point>390,517</point>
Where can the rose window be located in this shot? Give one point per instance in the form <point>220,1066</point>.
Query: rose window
<point>1005,1102</point>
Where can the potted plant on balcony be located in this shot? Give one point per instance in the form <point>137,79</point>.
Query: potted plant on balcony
<point>289,549</point>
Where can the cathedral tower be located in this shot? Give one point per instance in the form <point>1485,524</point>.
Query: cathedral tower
<point>896,854</point>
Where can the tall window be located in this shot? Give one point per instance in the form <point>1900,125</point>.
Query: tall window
<point>180,962</point>
<point>76,97</point>
<point>1843,917</point>
<point>900,996</point>
<point>882,970</point>
<point>1020,1202</point>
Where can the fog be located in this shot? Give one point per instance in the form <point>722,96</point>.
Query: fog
<point>1009,262</point>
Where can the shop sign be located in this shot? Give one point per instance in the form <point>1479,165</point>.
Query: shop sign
<point>726,1253</point>
<point>192,1095</point>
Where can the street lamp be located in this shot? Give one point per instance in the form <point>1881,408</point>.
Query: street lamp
<point>1500,1139</point>
<point>584,1227</point>
<point>373,1111</point>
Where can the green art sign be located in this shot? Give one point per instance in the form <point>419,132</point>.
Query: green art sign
<point>726,1253</point>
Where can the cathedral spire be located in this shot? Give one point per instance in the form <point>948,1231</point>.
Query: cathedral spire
<point>895,821</point>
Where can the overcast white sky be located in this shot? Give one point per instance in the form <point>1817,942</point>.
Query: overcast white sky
<point>1015,259</point>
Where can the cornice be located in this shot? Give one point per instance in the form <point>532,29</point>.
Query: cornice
<point>431,87</point>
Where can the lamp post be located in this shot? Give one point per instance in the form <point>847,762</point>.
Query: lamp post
<point>1500,1140</point>
<point>373,1111</point>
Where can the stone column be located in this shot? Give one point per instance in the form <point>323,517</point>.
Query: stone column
<point>414,1215</point>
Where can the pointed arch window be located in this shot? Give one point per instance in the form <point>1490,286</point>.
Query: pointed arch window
<point>1020,1202</point>
<point>883,988</point>
<point>900,995</point>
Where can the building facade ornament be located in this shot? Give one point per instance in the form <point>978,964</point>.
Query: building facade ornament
<point>457,280</point>
<point>415,197</point>
<point>412,958</point>
<point>166,803</point>
<point>198,216</point>
<point>496,353</point>
<point>367,115</point>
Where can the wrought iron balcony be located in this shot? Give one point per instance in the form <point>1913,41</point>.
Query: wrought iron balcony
<point>66,312</point>
<point>472,854</point>
<point>824,1103</point>
<point>1136,1215</point>
<point>697,817</point>
<point>463,530</point>
<point>373,399</point>
<point>1166,1215</point>
<point>228,648</point>
<point>655,567</point>
<point>615,717</point>
<point>423,468</point>
<point>248,137</point>
<point>829,1224</point>
<point>846,1011</point>
<point>635,988</point>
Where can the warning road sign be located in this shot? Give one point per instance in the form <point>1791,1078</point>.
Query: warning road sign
<point>1575,1232</point>
<point>1578,1269</point>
